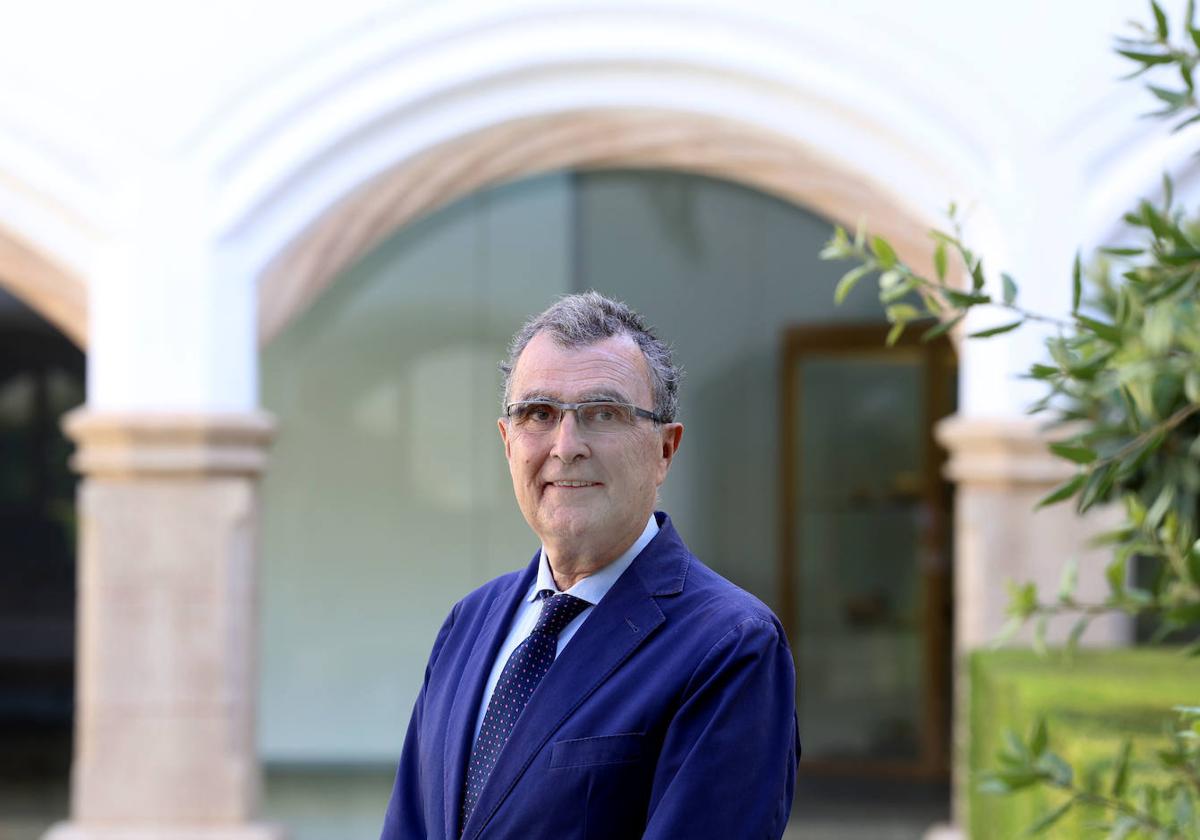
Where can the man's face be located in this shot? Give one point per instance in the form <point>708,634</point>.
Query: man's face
<point>621,473</point>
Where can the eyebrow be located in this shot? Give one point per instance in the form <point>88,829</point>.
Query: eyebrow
<point>590,396</point>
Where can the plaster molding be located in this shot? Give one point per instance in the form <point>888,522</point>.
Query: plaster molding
<point>137,445</point>
<point>47,287</point>
<point>1001,451</point>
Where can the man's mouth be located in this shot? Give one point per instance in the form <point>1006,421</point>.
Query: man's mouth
<point>574,483</point>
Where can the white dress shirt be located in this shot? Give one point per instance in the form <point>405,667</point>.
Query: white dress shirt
<point>591,589</point>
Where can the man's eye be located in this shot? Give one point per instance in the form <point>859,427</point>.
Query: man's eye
<point>605,414</point>
<point>539,413</point>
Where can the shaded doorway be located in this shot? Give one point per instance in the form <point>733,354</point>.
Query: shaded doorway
<point>41,378</point>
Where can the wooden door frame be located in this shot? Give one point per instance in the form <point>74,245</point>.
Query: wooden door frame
<point>798,342</point>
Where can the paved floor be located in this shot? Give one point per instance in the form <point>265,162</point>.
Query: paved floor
<point>340,805</point>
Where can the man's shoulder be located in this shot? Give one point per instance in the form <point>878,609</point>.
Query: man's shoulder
<point>709,594</point>
<point>710,603</point>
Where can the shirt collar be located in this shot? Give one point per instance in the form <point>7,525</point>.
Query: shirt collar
<point>595,586</point>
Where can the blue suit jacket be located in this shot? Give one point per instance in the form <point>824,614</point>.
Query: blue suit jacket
<point>670,714</point>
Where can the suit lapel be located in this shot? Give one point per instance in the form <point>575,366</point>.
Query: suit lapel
<point>464,711</point>
<point>619,624</point>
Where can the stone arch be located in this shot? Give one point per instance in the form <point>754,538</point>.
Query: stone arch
<point>45,285</point>
<point>508,151</point>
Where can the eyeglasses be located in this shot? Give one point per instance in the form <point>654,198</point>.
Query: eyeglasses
<point>539,416</point>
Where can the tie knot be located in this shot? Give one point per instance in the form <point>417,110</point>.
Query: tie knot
<point>557,612</point>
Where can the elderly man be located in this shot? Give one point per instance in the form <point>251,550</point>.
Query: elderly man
<point>616,687</point>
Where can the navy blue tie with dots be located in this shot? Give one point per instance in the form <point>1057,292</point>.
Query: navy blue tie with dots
<point>521,675</point>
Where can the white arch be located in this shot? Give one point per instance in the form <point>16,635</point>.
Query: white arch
<point>47,232</point>
<point>769,99</point>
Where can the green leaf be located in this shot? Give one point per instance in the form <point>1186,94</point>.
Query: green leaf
<point>942,328</point>
<point>1191,386</point>
<point>1051,818</point>
<point>1160,21</point>
<point>1148,59</point>
<point>1077,631</point>
<point>883,252</point>
<point>977,278</point>
<point>1097,486</point>
<point>1116,573</point>
<point>1184,809</point>
<point>899,313</point>
<point>1122,827</point>
<point>1108,332</point>
<point>939,261</point>
<point>1039,738</point>
<point>1022,599</point>
<point>848,282</point>
<point>1059,771</point>
<point>1069,579</point>
<point>1159,509</point>
<point>1175,98</point>
<point>1063,491</point>
<point>1039,636</point>
<point>997,330</point>
<point>1078,454</point>
<point>894,333</point>
<point>1123,252</point>
<point>963,299</point>
<point>1010,288</point>
<point>838,246</point>
<point>889,281</point>
<point>1077,283</point>
<point>1121,770</point>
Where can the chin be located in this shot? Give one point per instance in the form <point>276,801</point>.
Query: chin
<point>569,524</point>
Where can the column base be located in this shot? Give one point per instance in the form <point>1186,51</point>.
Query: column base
<point>944,831</point>
<point>252,831</point>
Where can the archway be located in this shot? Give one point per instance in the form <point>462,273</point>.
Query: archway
<point>508,151</point>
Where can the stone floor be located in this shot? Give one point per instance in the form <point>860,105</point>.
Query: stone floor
<point>338,804</point>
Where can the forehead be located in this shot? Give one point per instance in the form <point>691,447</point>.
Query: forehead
<point>613,367</point>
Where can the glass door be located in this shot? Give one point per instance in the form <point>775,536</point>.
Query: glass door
<point>866,562</point>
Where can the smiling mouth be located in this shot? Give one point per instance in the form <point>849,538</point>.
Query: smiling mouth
<point>574,484</point>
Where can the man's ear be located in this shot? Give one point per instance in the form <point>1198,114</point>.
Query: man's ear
<point>671,435</point>
<point>504,437</point>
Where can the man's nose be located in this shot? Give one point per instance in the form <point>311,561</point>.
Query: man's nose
<point>569,441</point>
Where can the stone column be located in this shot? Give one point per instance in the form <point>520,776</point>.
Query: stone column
<point>167,628</point>
<point>1001,468</point>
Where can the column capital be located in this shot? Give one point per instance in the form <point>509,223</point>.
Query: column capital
<point>1007,451</point>
<point>145,444</point>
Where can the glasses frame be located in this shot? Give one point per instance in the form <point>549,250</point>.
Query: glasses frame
<point>564,407</point>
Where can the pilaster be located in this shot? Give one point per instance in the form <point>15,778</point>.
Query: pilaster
<point>167,671</point>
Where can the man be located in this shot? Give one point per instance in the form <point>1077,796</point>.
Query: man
<point>616,687</point>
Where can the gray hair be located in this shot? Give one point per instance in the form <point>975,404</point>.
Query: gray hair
<point>585,318</point>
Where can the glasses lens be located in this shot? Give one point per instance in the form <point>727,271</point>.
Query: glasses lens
<point>535,416</point>
<point>605,417</point>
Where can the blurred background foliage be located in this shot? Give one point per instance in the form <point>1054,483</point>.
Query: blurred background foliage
<point>1122,384</point>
